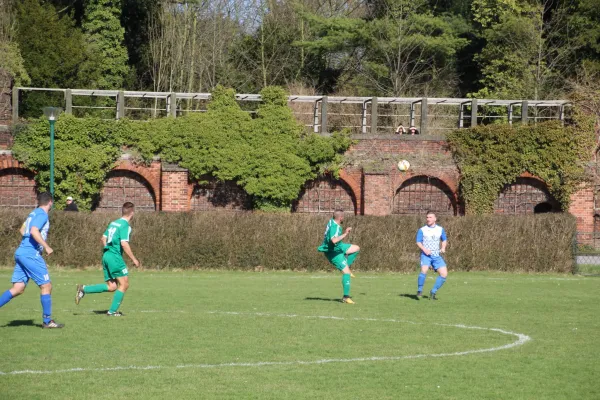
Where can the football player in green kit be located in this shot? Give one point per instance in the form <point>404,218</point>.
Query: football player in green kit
<point>116,242</point>
<point>340,254</point>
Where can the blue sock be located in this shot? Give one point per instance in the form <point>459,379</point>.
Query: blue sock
<point>5,298</point>
<point>438,284</point>
<point>421,281</point>
<point>46,300</point>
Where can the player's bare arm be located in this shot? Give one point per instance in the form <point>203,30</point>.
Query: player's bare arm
<point>443,249</point>
<point>103,241</point>
<point>35,233</point>
<point>127,250</point>
<point>341,237</point>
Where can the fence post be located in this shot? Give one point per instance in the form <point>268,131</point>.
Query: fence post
<point>374,115</point>
<point>363,118</point>
<point>324,114</point>
<point>68,102</point>
<point>561,114</point>
<point>15,105</point>
<point>121,105</point>
<point>173,105</point>
<point>412,114</point>
<point>524,117</point>
<point>316,117</point>
<point>510,114</point>
<point>474,113</point>
<point>461,115</point>
<point>424,116</point>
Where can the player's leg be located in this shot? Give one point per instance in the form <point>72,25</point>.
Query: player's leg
<point>351,253</point>
<point>36,268</point>
<point>425,265</point>
<point>19,283</point>
<point>110,284</point>
<point>440,267</point>
<point>123,285</point>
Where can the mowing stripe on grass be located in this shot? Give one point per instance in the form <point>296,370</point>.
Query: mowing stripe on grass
<point>521,340</point>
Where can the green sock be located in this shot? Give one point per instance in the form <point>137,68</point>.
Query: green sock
<point>346,284</point>
<point>117,300</point>
<point>99,288</point>
<point>351,257</point>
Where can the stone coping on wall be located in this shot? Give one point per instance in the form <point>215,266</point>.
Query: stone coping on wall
<point>170,167</point>
<point>416,138</point>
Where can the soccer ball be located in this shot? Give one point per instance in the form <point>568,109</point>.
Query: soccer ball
<point>403,165</point>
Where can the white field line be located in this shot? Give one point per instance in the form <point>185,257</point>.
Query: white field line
<point>521,340</point>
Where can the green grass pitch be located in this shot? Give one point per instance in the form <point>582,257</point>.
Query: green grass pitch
<point>283,335</point>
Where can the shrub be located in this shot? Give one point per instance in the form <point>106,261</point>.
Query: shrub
<point>282,241</point>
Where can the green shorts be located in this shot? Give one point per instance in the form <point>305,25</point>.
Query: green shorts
<point>114,266</point>
<point>338,257</point>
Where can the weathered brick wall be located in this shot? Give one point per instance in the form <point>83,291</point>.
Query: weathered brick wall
<point>325,195</point>
<point>523,196</point>
<point>175,188</point>
<point>129,182</point>
<point>370,184</point>
<point>213,196</point>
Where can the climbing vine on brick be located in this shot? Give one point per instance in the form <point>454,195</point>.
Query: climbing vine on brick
<point>492,156</point>
<point>270,156</point>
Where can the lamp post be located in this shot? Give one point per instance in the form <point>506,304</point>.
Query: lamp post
<point>51,113</point>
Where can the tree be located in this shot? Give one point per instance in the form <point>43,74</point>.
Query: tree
<point>400,49</point>
<point>104,36</point>
<point>53,52</point>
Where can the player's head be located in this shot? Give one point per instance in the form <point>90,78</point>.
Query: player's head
<point>45,199</point>
<point>128,209</point>
<point>431,218</point>
<point>338,215</point>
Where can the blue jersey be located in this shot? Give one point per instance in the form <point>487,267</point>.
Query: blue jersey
<point>430,237</point>
<point>39,219</point>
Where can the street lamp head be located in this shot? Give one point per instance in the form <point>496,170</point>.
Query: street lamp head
<point>52,112</point>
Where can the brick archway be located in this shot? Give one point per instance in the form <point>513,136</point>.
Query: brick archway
<point>422,193</point>
<point>216,195</point>
<point>123,185</point>
<point>324,195</point>
<point>17,188</point>
<point>525,196</point>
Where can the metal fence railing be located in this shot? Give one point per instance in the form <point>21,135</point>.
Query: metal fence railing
<point>320,114</point>
<point>586,253</point>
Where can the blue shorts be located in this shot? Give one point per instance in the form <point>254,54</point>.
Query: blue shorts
<point>432,261</point>
<point>30,266</point>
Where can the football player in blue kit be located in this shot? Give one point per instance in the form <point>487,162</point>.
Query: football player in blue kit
<point>428,240</point>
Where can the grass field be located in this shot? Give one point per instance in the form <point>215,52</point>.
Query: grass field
<point>235,335</point>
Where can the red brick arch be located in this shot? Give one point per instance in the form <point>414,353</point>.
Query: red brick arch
<point>522,196</point>
<point>418,193</point>
<point>324,195</point>
<point>140,181</point>
<point>352,179</point>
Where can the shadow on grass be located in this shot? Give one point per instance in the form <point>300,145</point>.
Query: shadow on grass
<point>21,322</point>
<point>412,296</point>
<point>98,312</point>
<point>322,299</point>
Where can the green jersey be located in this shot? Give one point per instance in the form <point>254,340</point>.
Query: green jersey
<point>332,230</point>
<point>118,231</point>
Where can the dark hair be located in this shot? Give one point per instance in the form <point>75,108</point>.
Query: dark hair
<point>44,198</point>
<point>127,208</point>
<point>430,212</point>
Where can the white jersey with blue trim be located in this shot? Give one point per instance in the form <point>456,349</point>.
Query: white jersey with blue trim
<point>430,237</point>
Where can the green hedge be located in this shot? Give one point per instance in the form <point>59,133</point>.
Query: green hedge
<point>289,241</point>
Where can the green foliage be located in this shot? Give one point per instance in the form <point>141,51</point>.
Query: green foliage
<point>492,156</point>
<point>105,36</point>
<point>85,151</point>
<point>12,62</point>
<point>270,156</point>
<point>53,51</point>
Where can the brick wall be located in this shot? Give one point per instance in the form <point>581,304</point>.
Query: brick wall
<point>371,181</point>
<point>325,195</point>
<point>225,196</point>
<point>17,188</point>
<point>523,196</point>
<point>175,188</point>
